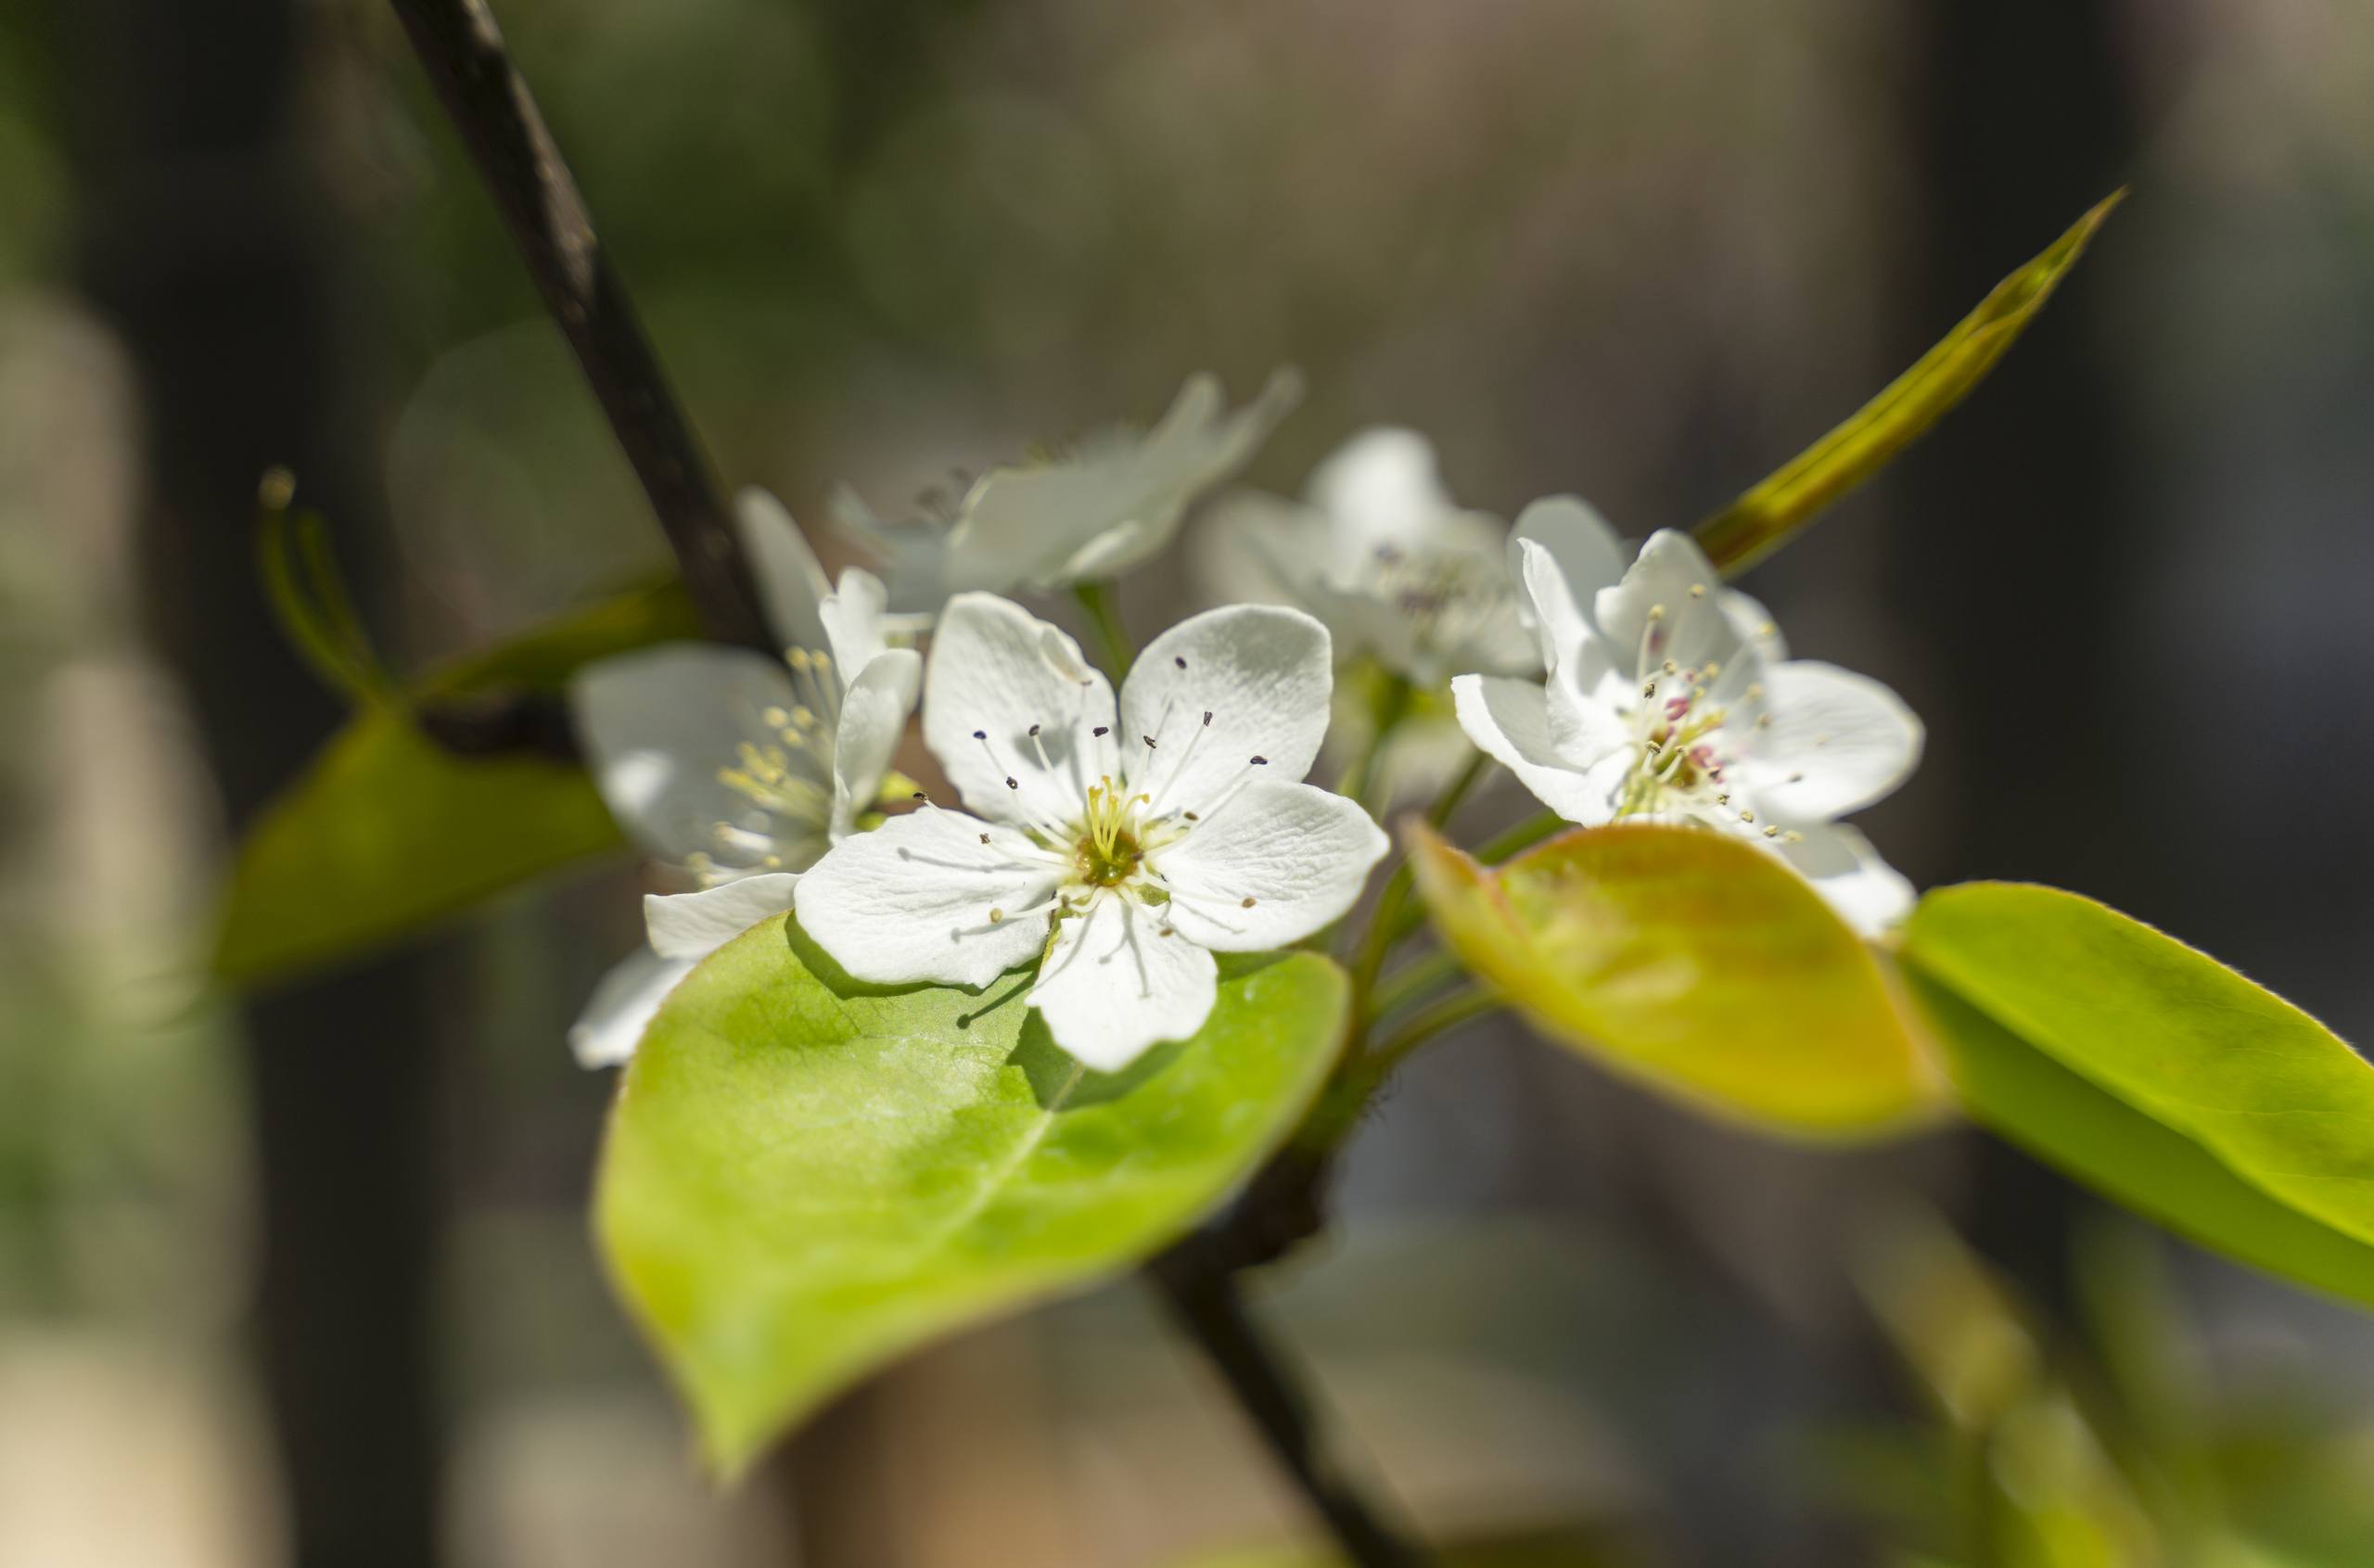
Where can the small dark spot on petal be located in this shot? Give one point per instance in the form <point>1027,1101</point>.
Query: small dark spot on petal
<point>1103,730</point>
<point>1010,782</point>
<point>1260,761</point>
<point>980,735</point>
<point>1248,902</point>
<point>1179,662</point>
<point>1149,740</point>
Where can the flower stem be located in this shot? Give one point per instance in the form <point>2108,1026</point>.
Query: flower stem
<point>1451,798</point>
<point>1364,781</point>
<point>1444,1012</point>
<point>1211,1309</point>
<point>1112,643</point>
<point>1413,980</point>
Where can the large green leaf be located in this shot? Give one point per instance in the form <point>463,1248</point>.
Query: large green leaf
<point>1761,520</point>
<point>806,1177</point>
<point>2155,1074</point>
<point>1694,962</point>
<point>388,832</point>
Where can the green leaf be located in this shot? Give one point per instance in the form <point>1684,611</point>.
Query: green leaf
<point>2155,1074</point>
<point>386,832</point>
<point>806,1177</point>
<point>1762,520</point>
<point>1694,962</point>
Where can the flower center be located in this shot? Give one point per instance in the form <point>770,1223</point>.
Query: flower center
<point>1109,851</point>
<point>1449,595</point>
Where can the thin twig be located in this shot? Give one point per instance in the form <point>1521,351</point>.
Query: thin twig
<point>1209,1306</point>
<point>463,52</point>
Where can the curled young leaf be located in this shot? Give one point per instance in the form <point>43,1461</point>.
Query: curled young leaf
<point>388,830</point>
<point>1762,520</point>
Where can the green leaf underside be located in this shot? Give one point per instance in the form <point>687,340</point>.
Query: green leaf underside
<point>386,832</point>
<point>1761,520</point>
<point>2156,1074</point>
<point>806,1176</point>
<point>1693,963</point>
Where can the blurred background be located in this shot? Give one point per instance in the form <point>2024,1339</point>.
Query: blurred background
<point>304,1278</point>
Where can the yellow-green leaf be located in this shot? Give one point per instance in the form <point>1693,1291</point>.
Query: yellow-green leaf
<point>1694,962</point>
<point>386,832</point>
<point>1762,520</point>
<point>2156,1074</point>
<point>806,1177</point>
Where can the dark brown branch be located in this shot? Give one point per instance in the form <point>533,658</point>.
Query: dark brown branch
<point>463,51</point>
<point>1206,1304</point>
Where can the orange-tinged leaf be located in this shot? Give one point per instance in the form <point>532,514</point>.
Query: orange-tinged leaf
<point>1693,963</point>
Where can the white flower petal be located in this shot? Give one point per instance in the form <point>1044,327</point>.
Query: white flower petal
<point>1755,625</point>
<point>1280,861</point>
<point>1258,549</point>
<point>1261,673</point>
<point>1868,893</point>
<point>1837,741</point>
<point>990,673</point>
<point>1382,489</point>
<point>1587,554</point>
<point>622,1007</point>
<point>911,556</point>
<point>913,898</point>
<point>690,926</point>
<point>1558,623</point>
<point>1115,504</point>
<point>873,717</point>
<point>1510,721</point>
<point>854,622</point>
<point>658,724</point>
<point>791,584</point>
<point>1668,607</point>
<point>1113,985</point>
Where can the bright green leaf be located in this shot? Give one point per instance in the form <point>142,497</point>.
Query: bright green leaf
<point>386,832</point>
<point>1692,962</point>
<point>1761,521</point>
<point>806,1177</point>
<point>2155,1074</point>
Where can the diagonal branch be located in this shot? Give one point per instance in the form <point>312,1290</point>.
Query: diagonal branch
<point>489,103</point>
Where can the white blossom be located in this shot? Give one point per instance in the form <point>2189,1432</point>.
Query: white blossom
<point>1670,699</point>
<point>740,768</point>
<point>1379,552</point>
<point>1107,503</point>
<point>1116,848</point>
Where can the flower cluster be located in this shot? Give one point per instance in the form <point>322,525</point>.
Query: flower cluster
<point>1111,846</point>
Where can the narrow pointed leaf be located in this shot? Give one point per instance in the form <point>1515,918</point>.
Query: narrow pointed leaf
<point>386,832</point>
<point>1693,963</point>
<point>806,1176</point>
<point>2154,1073</point>
<point>1763,520</point>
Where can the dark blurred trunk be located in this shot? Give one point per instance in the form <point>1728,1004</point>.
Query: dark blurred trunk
<point>2014,517</point>
<point>208,239</point>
